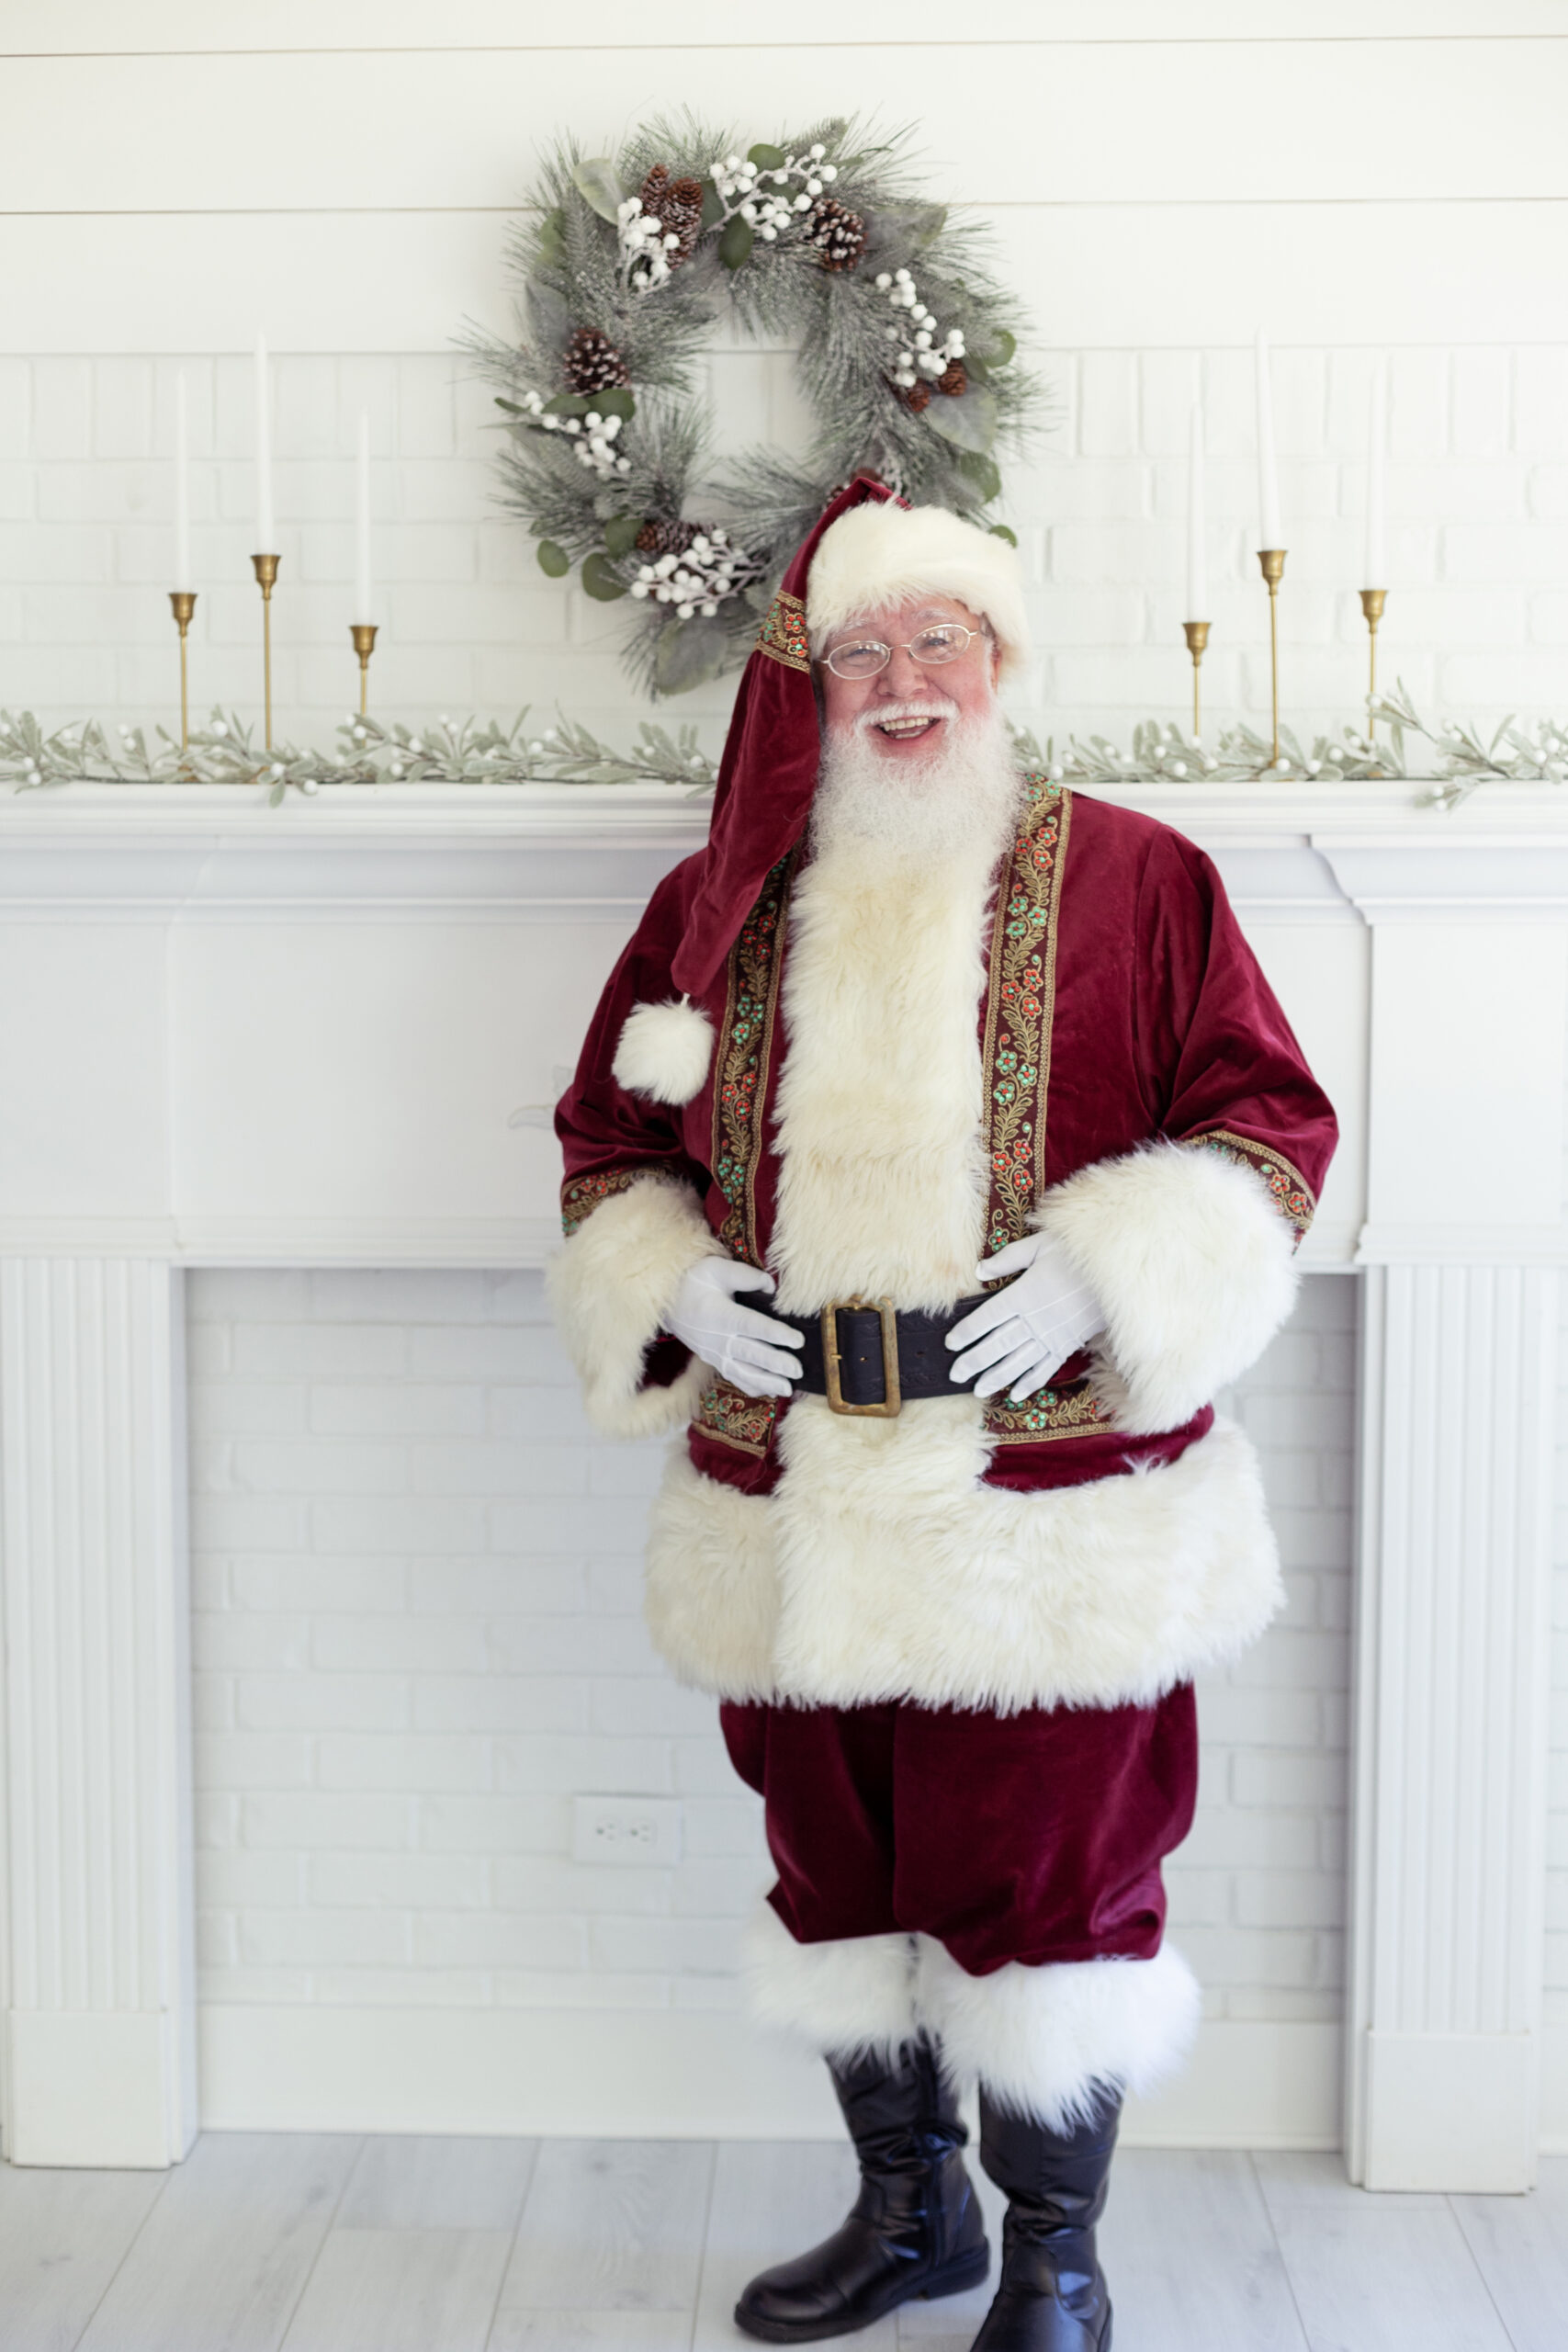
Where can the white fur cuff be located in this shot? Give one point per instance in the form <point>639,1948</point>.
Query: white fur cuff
<point>1194,1267</point>
<point>842,1998</point>
<point>612,1288</point>
<point>1042,2040</point>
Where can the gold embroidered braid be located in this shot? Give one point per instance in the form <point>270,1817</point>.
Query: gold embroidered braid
<point>1020,1000</point>
<point>745,1052</point>
<point>1066,1411</point>
<point>784,633</point>
<point>581,1195</point>
<point>1288,1188</point>
<point>726,1413</point>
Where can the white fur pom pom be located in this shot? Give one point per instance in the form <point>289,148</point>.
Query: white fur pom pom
<point>664,1051</point>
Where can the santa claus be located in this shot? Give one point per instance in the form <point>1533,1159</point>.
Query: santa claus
<point>937,1151</point>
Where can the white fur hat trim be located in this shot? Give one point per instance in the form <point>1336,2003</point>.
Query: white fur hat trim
<point>881,554</point>
<point>664,1051</point>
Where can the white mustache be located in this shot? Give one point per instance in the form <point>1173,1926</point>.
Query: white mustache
<point>928,706</point>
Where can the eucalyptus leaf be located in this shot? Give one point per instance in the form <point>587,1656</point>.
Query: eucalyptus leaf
<point>999,350</point>
<point>1001,531</point>
<point>688,654</point>
<point>969,421</point>
<point>550,321</point>
<point>735,242</point>
<point>620,534</point>
<point>983,471</point>
<point>570,404</point>
<point>511,407</point>
<point>596,179</point>
<point>600,580</point>
<point>712,206</point>
<point>766,158</point>
<point>553,560</point>
<point>549,242</point>
<point>619,401</point>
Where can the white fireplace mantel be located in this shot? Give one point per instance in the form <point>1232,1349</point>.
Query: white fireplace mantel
<point>330,1034</point>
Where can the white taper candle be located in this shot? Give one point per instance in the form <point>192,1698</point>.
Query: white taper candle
<point>1268,472</point>
<point>266,534</point>
<point>1374,564</point>
<point>362,523</point>
<point>184,578</point>
<point>1197,567</point>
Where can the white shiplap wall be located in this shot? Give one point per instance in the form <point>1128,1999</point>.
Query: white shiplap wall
<point>1390,177</point>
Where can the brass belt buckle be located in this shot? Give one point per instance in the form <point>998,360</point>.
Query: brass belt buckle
<point>892,1403</point>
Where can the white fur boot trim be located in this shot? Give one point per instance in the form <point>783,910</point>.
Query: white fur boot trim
<point>611,1288</point>
<point>664,1051</point>
<point>1041,2039</point>
<point>1193,1265</point>
<point>846,1997</point>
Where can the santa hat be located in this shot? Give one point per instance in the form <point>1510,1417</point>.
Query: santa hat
<point>887,554</point>
<point>869,549</point>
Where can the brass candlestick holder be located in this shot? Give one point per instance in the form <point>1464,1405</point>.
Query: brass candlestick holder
<point>1372,603</point>
<point>182,603</point>
<point>1272,560</point>
<point>1197,636</point>
<point>364,636</point>
<point>266,569</point>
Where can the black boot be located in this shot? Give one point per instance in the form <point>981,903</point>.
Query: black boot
<point>1052,2296</point>
<point>915,2228</point>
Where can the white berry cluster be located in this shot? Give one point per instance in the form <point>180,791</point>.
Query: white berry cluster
<point>594,436</point>
<point>695,582</point>
<point>762,197</point>
<point>645,246</point>
<point>921,353</point>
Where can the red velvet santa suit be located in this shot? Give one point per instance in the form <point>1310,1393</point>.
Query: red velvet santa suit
<point>955,1647</point>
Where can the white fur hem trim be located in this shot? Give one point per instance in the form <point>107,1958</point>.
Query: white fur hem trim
<point>1042,2041</point>
<point>1193,1265</point>
<point>664,1051</point>
<point>881,1567</point>
<point>880,554</point>
<point>842,1998</point>
<point>612,1288</point>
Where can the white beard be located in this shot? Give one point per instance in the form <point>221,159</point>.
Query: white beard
<point>959,800</point>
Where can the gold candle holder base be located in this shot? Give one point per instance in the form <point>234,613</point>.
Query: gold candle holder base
<point>1372,603</point>
<point>265,569</point>
<point>1273,562</point>
<point>1197,636</point>
<point>182,603</point>
<point>363,634</point>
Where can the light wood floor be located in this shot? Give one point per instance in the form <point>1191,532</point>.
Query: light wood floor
<point>274,2243</point>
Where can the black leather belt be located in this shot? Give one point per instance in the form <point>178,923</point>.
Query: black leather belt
<point>865,1357</point>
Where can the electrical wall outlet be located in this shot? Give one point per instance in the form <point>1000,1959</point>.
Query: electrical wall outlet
<point>636,1833</point>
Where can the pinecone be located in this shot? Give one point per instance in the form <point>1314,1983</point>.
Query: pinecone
<point>838,233</point>
<point>916,396</point>
<point>678,203</point>
<point>665,534</point>
<point>954,379</point>
<point>592,363</point>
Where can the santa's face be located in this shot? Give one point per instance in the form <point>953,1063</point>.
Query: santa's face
<point>907,709</point>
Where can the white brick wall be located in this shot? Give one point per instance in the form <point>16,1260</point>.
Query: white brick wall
<point>418,1635</point>
<point>1477,619</point>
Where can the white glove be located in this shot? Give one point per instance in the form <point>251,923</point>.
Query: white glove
<point>747,1349</point>
<point>1017,1339</point>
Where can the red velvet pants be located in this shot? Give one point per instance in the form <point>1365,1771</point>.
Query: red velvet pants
<point>1035,1836</point>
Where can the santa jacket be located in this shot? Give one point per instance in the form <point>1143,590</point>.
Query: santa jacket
<point>891,1076</point>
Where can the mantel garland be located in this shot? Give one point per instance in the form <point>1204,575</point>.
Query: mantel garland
<point>467,751</point>
<point>904,345</point>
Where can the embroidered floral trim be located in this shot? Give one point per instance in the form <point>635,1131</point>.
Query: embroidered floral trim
<point>1021,998</point>
<point>728,1414</point>
<point>1288,1188</point>
<point>745,1052</point>
<point>1049,1413</point>
<point>784,633</point>
<point>581,1195</point>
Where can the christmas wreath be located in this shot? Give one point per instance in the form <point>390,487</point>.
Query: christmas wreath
<point>905,348</point>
